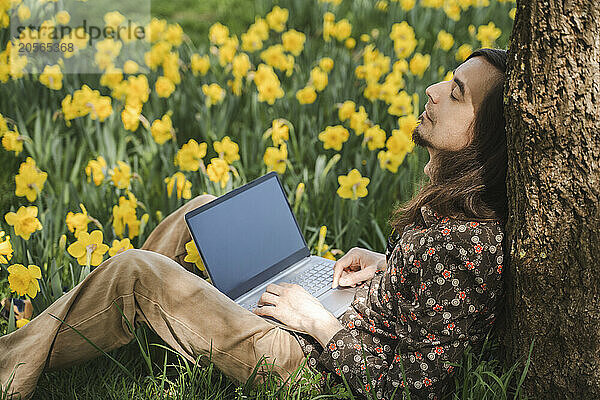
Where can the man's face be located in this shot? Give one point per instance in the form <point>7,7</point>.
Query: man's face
<point>452,106</point>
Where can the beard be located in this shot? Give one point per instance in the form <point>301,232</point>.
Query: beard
<point>418,139</point>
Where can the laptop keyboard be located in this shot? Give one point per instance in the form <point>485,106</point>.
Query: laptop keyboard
<point>316,280</point>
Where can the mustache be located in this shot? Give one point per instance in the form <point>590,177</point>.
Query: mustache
<point>429,113</point>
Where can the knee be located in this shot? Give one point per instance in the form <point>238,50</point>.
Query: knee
<point>198,201</point>
<point>129,261</point>
<point>204,198</point>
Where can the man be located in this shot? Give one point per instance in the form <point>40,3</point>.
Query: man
<point>442,279</point>
<point>433,292</point>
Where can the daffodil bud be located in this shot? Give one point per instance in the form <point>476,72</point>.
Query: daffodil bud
<point>322,233</point>
<point>159,215</point>
<point>62,242</point>
<point>299,192</point>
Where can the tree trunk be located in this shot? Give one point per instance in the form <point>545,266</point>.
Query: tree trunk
<point>552,108</point>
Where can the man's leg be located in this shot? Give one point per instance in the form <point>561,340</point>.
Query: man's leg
<point>185,310</point>
<point>171,234</point>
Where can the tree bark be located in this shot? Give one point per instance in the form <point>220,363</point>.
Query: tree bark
<point>552,109</point>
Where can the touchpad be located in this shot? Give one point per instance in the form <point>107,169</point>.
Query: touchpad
<point>338,300</point>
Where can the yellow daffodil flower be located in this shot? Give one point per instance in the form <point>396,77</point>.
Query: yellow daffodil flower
<point>389,160</point>
<point>342,29</point>
<point>88,248</point>
<point>240,65</point>
<point>164,87</point>
<point>279,131</point>
<point>218,171</point>
<point>189,156</point>
<point>121,175</point>
<point>346,110</point>
<point>24,221</point>
<point>218,33</point>
<point>401,104</point>
<point>353,185</point>
<point>6,250</point>
<point>200,64</point>
<point>227,50</point>
<point>227,149</point>
<point>162,129</point>
<point>111,77</point>
<point>277,18</point>
<point>124,216</point>
<point>333,137</point>
<point>419,64</point>
<point>318,78</point>
<point>306,95</point>
<point>399,142</point>
<point>404,39</point>
<point>78,222</point>
<point>445,40</point>
<point>251,41</point>
<point>193,256</point>
<point>358,121</point>
<point>182,185</point>
<point>275,158</point>
<point>95,169</point>
<point>452,9</point>
<point>131,117</point>
<point>21,322</point>
<point>137,90</point>
<point>52,77</point>
<point>30,180</point>
<point>407,125</point>
<point>269,91</point>
<point>374,137</point>
<point>119,246</point>
<point>174,34</point>
<point>407,5</point>
<point>487,34</point>
<point>130,67</point>
<point>326,64</point>
<point>293,41</point>
<point>463,52</point>
<point>214,93</point>
<point>24,280</point>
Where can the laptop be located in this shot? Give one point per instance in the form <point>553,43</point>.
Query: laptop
<point>249,238</point>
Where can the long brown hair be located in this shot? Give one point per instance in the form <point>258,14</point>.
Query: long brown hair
<point>470,183</point>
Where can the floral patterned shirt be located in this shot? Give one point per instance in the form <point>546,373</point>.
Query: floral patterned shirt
<point>438,294</point>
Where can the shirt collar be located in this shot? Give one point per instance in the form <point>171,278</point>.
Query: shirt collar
<point>429,216</point>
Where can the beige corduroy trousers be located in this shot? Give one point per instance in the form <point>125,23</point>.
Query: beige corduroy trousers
<point>151,285</point>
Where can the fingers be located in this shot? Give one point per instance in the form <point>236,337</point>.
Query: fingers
<point>346,260</point>
<point>354,278</point>
<point>268,298</point>
<point>267,311</point>
<point>274,288</point>
<point>346,279</point>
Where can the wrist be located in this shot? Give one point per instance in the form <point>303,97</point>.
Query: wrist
<point>325,330</point>
<point>382,263</point>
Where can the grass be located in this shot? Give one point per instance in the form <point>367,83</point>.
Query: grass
<point>195,17</point>
<point>479,376</point>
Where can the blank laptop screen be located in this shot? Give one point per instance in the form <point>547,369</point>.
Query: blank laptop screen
<point>246,235</point>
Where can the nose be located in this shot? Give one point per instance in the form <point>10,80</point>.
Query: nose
<point>431,92</point>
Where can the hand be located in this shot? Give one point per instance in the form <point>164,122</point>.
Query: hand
<point>293,306</point>
<point>356,266</point>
